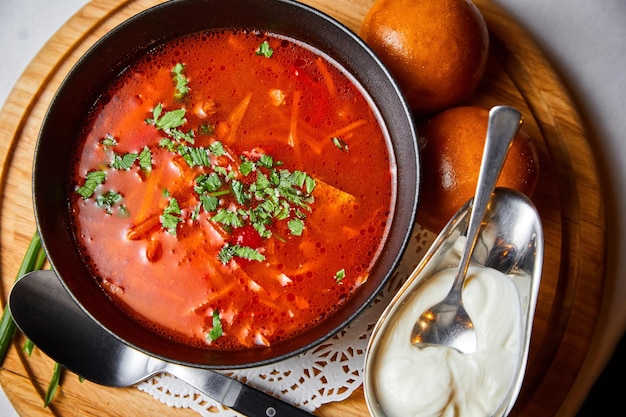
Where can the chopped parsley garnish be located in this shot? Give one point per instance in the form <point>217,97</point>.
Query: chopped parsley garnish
<point>93,179</point>
<point>168,144</point>
<point>217,148</point>
<point>177,140</point>
<point>234,190</point>
<point>208,202</point>
<point>109,141</point>
<point>171,216</point>
<point>246,167</point>
<point>145,160</point>
<point>207,187</point>
<point>208,183</point>
<point>296,226</point>
<point>340,275</point>
<point>180,81</point>
<point>229,218</point>
<point>216,331</point>
<point>124,161</point>
<point>107,200</point>
<point>288,187</point>
<point>228,252</point>
<point>240,192</point>
<point>194,156</point>
<point>339,143</point>
<point>275,195</point>
<point>206,129</point>
<point>196,212</point>
<point>265,50</point>
<point>181,136</point>
<point>265,161</point>
<point>168,120</point>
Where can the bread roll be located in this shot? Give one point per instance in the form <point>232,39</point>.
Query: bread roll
<point>451,148</point>
<point>436,49</point>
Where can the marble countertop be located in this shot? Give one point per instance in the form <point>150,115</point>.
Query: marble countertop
<point>584,40</point>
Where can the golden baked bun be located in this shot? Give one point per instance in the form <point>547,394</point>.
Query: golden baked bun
<point>436,49</point>
<point>451,148</point>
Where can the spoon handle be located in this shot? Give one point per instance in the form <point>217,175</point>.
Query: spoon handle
<point>504,123</point>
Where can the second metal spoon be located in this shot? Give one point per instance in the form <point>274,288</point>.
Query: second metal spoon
<point>447,322</point>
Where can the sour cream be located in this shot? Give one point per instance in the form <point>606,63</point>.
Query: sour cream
<point>438,381</point>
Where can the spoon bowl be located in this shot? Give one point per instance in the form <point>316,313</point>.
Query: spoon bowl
<point>447,322</point>
<point>510,240</point>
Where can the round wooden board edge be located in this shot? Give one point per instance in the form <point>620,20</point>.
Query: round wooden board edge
<point>596,224</point>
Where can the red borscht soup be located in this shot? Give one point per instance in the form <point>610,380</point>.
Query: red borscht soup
<point>232,189</point>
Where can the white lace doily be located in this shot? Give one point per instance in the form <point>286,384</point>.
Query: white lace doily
<point>327,373</point>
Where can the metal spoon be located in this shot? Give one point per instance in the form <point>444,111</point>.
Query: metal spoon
<point>511,241</point>
<point>447,323</point>
<point>46,313</point>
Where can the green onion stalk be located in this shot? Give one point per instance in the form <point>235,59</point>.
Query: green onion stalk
<point>34,259</point>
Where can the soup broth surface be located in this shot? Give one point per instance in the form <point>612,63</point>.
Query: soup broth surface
<point>232,189</point>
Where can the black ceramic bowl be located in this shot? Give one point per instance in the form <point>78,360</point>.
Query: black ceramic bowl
<point>123,45</point>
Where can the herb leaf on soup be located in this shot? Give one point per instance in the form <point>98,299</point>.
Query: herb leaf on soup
<point>124,161</point>
<point>216,330</point>
<point>171,216</point>
<point>107,200</point>
<point>228,252</point>
<point>180,81</point>
<point>93,179</point>
<point>265,50</point>
<point>340,275</point>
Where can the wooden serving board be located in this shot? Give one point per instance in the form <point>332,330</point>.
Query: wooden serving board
<point>568,197</point>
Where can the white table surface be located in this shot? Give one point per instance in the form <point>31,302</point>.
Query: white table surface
<point>585,41</point>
